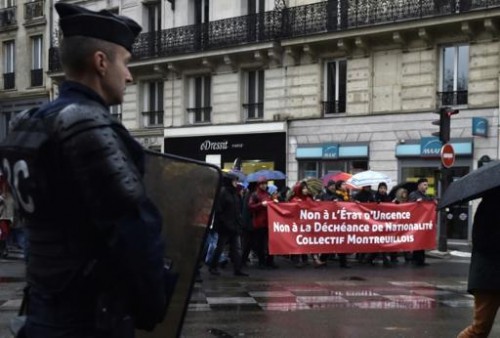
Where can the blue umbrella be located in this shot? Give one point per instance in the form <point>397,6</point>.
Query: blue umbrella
<point>270,175</point>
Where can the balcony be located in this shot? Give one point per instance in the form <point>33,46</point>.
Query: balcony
<point>8,17</point>
<point>9,81</point>
<point>456,98</point>
<point>322,17</point>
<point>333,107</point>
<point>33,10</point>
<point>199,115</point>
<point>36,77</point>
<point>254,111</point>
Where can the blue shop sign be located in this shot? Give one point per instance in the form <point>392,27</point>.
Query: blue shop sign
<point>479,126</point>
<point>330,151</point>
<point>430,147</point>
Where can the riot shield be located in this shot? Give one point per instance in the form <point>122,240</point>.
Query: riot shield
<point>184,191</point>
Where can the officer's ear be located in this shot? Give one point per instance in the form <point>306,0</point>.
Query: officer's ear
<point>100,61</point>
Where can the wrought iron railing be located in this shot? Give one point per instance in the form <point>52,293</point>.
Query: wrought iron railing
<point>333,107</point>
<point>254,111</point>
<point>199,114</point>
<point>8,16</point>
<point>326,16</point>
<point>33,10</point>
<point>36,77</point>
<point>452,98</point>
<point>154,118</point>
<point>9,80</point>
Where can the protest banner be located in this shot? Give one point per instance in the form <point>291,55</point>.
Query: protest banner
<point>345,227</point>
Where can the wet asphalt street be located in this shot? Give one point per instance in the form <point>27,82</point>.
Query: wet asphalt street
<point>364,301</point>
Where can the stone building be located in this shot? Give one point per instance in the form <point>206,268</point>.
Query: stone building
<point>24,38</point>
<point>309,87</point>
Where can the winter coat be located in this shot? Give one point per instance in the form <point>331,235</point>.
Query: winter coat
<point>484,272</point>
<point>259,211</point>
<point>417,194</point>
<point>364,196</point>
<point>228,217</point>
<point>382,198</point>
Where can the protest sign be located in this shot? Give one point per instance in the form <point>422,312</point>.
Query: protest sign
<point>345,227</point>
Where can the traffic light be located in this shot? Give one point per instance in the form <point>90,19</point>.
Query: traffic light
<point>444,123</point>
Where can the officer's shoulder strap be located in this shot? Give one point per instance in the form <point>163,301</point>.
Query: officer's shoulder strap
<point>20,118</point>
<point>78,117</point>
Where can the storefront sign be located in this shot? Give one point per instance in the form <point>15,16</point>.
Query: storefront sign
<point>346,227</point>
<point>479,126</point>
<point>430,147</point>
<point>331,151</point>
<point>211,145</point>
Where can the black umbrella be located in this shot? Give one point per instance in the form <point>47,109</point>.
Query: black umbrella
<point>471,186</point>
<point>409,186</point>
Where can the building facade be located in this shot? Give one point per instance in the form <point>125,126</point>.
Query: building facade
<point>24,38</point>
<point>309,87</point>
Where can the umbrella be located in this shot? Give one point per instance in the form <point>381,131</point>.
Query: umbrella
<point>315,185</point>
<point>471,186</point>
<point>409,186</point>
<point>335,176</point>
<point>270,175</point>
<point>368,177</point>
<point>241,176</point>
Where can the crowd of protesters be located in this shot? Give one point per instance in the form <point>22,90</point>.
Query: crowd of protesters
<point>243,223</point>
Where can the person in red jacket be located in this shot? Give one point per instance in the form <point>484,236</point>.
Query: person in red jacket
<point>301,192</point>
<point>257,205</point>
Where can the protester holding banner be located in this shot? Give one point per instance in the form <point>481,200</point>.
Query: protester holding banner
<point>329,193</point>
<point>302,193</point>
<point>381,196</point>
<point>365,195</point>
<point>257,205</point>
<point>401,196</point>
<point>418,196</point>
<point>337,192</point>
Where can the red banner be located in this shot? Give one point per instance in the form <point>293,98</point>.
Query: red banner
<point>345,227</point>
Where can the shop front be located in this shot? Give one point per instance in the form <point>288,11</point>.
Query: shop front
<point>421,158</point>
<point>250,152</point>
<point>320,159</point>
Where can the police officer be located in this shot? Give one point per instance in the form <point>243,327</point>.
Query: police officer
<point>95,256</point>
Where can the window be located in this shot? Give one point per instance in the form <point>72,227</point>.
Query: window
<point>33,9</point>
<point>9,54</point>
<point>200,108</point>
<point>254,94</point>
<point>335,87</point>
<point>37,61</point>
<point>454,75</point>
<point>7,3</point>
<point>153,103</point>
<point>319,168</point>
<point>116,111</point>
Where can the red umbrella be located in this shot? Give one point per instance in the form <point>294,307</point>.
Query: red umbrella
<point>335,176</point>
